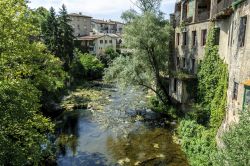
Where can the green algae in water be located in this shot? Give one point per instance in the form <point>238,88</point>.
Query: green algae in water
<point>146,147</point>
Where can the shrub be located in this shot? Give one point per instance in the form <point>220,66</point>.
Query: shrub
<point>237,144</point>
<point>86,66</point>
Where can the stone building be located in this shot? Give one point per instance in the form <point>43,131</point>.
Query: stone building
<point>191,20</point>
<point>81,24</point>
<point>102,26</point>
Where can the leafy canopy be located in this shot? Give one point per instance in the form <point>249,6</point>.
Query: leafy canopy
<point>147,36</point>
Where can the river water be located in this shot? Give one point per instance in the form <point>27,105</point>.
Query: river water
<point>124,133</point>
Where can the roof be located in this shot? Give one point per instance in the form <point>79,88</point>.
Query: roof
<point>102,22</point>
<point>78,15</point>
<point>93,37</point>
<point>246,83</point>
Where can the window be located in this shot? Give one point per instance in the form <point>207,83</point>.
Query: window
<point>178,39</point>
<point>193,65</point>
<point>194,39</point>
<point>110,41</point>
<point>242,32</point>
<point>246,104</point>
<point>78,26</point>
<point>177,61</point>
<point>184,62</point>
<point>175,85</point>
<point>184,38</point>
<point>106,41</point>
<point>235,91</point>
<point>101,41</point>
<point>203,37</point>
<point>217,36</point>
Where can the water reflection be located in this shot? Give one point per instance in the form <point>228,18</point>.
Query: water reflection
<point>146,147</point>
<point>114,137</point>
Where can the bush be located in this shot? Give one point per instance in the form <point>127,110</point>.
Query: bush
<point>109,55</point>
<point>86,66</point>
<point>157,106</point>
<point>197,142</point>
<point>237,144</point>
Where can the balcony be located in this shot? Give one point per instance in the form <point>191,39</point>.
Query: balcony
<point>222,8</point>
<point>203,16</point>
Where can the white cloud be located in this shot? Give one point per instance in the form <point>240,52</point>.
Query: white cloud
<point>96,8</point>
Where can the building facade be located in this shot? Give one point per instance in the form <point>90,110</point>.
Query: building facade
<point>97,44</point>
<point>81,24</point>
<point>102,26</point>
<point>191,21</point>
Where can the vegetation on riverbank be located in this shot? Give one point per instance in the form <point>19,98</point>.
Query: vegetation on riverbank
<point>87,95</point>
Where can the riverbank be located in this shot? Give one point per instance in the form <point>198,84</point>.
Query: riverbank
<point>88,95</point>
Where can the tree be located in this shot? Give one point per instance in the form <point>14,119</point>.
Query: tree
<point>129,15</point>
<point>50,33</point>
<point>27,70</point>
<point>148,36</point>
<point>66,38</point>
<point>148,5</point>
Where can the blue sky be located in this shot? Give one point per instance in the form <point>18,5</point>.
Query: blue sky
<point>100,9</point>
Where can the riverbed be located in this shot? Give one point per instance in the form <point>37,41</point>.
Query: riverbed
<point>123,132</point>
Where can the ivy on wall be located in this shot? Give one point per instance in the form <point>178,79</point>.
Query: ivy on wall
<point>198,140</point>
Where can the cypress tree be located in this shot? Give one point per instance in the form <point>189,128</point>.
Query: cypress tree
<point>66,37</point>
<point>50,33</point>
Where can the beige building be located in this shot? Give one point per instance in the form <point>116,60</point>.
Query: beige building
<point>97,44</point>
<point>81,24</point>
<point>191,21</point>
<point>103,26</point>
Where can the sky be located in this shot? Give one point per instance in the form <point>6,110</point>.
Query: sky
<point>99,9</point>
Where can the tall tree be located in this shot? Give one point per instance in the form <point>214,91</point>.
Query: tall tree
<point>148,5</point>
<point>26,69</point>
<point>50,33</point>
<point>66,37</point>
<point>148,36</point>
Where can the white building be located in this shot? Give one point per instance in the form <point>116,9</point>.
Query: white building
<point>102,26</point>
<point>97,44</point>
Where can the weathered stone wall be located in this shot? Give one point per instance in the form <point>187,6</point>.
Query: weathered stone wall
<point>237,58</point>
<point>81,25</point>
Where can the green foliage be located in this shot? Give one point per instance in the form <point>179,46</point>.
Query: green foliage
<point>198,134</point>
<point>129,15</point>
<point>157,106</point>
<point>212,74</point>
<point>109,55</point>
<point>148,36</point>
<point>27,70</point>
<point>66,37</point>
<point>22,128</point>
<point>86,66</point>
<point>236,141</point>
<point>58,35</point>
<point>197,142</point>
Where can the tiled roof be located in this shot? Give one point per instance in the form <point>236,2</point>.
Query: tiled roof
<point>92,37</point>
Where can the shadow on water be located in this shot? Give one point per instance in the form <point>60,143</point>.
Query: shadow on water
<point>114,137</point>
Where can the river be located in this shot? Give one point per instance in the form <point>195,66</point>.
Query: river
<point>123,133</point>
